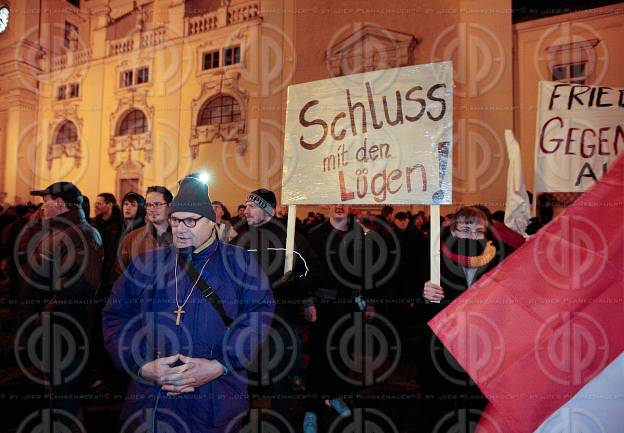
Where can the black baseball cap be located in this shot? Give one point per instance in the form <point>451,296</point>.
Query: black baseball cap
<point>66,191</point>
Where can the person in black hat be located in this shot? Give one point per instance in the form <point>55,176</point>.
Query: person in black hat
<point>214,305</point>
<point>266,239</point>
<point>63,268</point>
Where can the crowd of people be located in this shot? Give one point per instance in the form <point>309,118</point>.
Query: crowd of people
<point>166,287</point>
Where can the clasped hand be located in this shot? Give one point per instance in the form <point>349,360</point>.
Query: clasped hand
<point>193,372</point>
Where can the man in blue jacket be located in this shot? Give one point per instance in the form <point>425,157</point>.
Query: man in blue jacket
<point>185,322</point>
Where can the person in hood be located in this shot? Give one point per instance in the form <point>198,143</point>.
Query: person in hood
<point>133,211</point>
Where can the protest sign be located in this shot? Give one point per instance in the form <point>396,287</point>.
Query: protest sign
<point>580,131</point>
<point>370,138</point>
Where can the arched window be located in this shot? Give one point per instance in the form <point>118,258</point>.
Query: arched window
<point>134,122</point>
<point>67,133</point>
<point>220,109</point>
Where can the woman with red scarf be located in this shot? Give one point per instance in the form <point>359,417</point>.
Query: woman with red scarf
<point>469,250</point>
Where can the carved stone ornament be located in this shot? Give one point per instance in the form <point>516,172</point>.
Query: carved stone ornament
<point>126,143</point>
<point>227,84</point>
<point>66,113</point>
<point>370,48</point>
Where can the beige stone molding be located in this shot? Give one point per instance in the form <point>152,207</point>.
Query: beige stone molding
<point>376,47</point>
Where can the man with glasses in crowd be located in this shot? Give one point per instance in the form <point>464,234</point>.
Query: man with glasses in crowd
<point>156,233</point>
<point>185,323</point>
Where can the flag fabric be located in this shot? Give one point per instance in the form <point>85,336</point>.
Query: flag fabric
<point>545,327</point>
<point>517,207</point>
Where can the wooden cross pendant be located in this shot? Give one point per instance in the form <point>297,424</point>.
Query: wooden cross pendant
<point>179,312</point>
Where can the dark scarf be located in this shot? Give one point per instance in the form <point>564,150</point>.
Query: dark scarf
<point>469,253</point>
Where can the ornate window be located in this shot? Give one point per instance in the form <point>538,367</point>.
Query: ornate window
<point>130,126</point>
<point>221,115</point>
<point>67,133</point>
<point>220,109</point>
<point>134,122</point>
<point>65,139</point>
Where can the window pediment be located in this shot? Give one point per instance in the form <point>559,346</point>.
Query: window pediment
<point>371,48</point>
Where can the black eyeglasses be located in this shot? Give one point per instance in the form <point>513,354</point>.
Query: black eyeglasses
<point>156,204</point>
<point>188,221</point>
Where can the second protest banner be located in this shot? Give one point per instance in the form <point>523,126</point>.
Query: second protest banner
<point>376,137</point>
<point>580,131</point>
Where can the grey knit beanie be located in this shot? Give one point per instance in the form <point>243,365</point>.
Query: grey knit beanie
<point>193,197</point>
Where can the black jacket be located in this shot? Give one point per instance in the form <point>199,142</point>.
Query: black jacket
<point>350,261</point>
<point>267,244</point>
<point>64,264</point>
<point>110,231</point>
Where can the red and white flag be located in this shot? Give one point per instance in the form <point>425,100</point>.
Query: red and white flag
<point>542,334</point>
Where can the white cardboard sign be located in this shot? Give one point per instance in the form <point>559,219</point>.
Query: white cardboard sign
<point>580,131</point>
<point>371,138</point>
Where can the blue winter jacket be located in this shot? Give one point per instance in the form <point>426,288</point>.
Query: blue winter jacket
<point>139,326</point>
